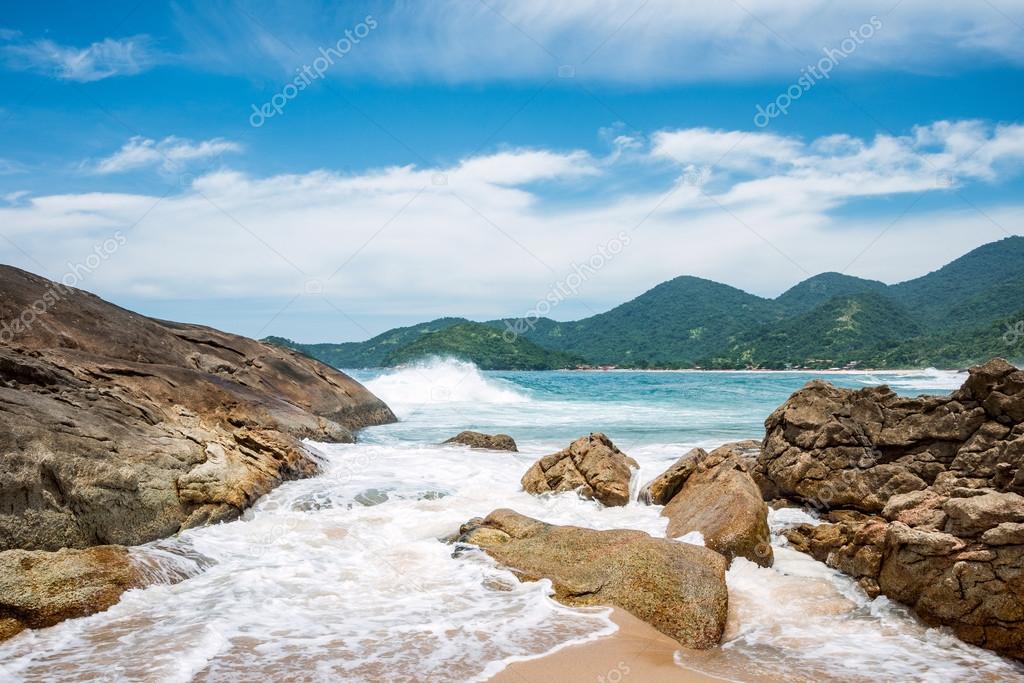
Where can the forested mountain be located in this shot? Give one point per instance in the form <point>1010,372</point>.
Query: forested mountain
<point>963,313</point>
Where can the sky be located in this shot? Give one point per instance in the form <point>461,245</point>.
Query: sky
<point>327,171</point>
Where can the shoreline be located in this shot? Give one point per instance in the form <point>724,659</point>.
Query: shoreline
<point>636,651</point>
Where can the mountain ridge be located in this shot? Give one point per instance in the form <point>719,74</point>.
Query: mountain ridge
<point>950,317</point>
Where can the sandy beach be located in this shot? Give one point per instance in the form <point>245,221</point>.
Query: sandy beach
<point>635,652</point>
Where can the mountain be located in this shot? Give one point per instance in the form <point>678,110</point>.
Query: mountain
<point>485,346</point>
<point>818,289</point>
<point>672,325</point>
<point>982,285</point>
<point>368,354</point>
<point>850,329</point>
<point>963,313</point>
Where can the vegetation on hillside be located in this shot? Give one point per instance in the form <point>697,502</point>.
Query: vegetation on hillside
<point>963,313</point>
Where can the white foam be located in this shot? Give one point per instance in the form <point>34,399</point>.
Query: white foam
<point>441,381</point>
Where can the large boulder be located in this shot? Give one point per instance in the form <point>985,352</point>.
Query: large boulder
<point>714,494</point>
<point>493,442</point>
<point>924,495</point>
<point>676,587</point>
<point>121,429</point>
<point>591,465</point>
<point>39,588</point>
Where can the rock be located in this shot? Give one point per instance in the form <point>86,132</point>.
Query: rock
<point>39,588</point>
<point>830,447</point>
<point>714,494</point>
<point>664,487</point>
<point>977,514</point>
<point>676,587</point>
<point>591,465</point>
<point>945,473</point>
<point>121,429</point>
<point>495,442</point>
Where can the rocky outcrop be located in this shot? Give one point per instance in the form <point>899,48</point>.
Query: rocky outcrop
<point>713,493</point>
<point>492,442</point>
<point>120,429</point>
<point>39,589</point>
<point>591,465</point>
<point>676,587</point>
<point>931,487</point>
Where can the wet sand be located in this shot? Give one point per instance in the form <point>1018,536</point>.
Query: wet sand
<point>636,652</point>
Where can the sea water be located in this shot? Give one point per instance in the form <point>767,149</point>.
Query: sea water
<point>343,577</point>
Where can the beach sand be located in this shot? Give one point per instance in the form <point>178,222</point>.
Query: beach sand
<point>636,652</point>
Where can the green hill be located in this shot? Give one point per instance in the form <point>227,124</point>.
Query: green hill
<point>818,289</point>
<point>485,346</point>
<point>858,328</point>
<point>978,287</point>
<point>371,353</point>
<point>952,317</point>
<point>672,325</point>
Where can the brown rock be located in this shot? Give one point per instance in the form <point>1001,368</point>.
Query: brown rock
<point>676,587</point>
<point>39,588</point>
<point>664,487</point>
<point>495,442</point>
<point>119,428</point>
<point>721,501</point>
<point>945,472</point>
<point>591,465</point>
<point>977,514</point>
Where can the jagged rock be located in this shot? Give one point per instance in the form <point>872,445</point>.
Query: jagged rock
<point>676,587</point>
<point>712,493</point>
<point>39,588</point>
<point>945,474</point>
<point>829,447</point>
<point>494,442</point>
<point>591,465</point>
<point>119,428</point>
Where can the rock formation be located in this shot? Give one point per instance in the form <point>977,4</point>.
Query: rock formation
<point>120,429</point>
<point>39,589</point>
<point>712,493</point>
<point>676,587</point>
<point>493,442</point>
<point>925,494</point>
<point>591,465</point>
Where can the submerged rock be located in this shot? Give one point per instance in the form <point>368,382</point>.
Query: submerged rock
<point>712,493</point>
<point>121,429</point>
<point>935,486</point>
<point>591,465</point>
<point>39,588</point>
<point>676,587</point>
<point>493,442</point>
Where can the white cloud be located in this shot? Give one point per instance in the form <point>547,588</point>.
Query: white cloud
<point>628,41</point>
<point>171,154</point>
<point>103,59</point>
<point>488,239</point>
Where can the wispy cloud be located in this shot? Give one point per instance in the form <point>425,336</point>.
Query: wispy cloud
<point>631,41</point>
<point>172,154</point>
<point>104,59</point>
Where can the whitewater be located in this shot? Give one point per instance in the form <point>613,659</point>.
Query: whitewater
<point>342,577</point>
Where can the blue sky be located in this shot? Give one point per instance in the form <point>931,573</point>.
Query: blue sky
<point>462,158</point>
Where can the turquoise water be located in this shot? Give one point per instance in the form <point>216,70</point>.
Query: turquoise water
<point>437,399</point>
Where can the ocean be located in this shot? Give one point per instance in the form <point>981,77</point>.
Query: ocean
<point>342,576</point>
